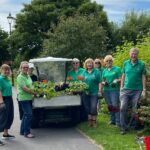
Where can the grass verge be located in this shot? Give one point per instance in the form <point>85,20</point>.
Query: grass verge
<point>109,136</point>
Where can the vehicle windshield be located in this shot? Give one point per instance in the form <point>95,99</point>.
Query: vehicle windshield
<point>54,71</point>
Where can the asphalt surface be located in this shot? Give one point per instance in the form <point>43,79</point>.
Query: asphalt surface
<point>48,138</point>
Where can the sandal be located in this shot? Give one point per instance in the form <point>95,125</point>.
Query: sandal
<point>29,135</point>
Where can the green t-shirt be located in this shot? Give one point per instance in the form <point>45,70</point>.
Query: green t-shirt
<point>24,80</point>
<point>133,74</point>
<point>75,76</point>
<point>101,71</point>
<point>110,76</point>
<point>5,86</point>
<point>92,79</point>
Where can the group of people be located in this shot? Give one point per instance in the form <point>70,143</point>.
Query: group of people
<point>118,88</point>
<point>25,97</point>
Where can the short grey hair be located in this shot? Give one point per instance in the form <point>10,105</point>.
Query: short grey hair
<point>75,60</point>
<point>134,50</point>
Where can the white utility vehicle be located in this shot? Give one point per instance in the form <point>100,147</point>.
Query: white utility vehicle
<point>60,108</point>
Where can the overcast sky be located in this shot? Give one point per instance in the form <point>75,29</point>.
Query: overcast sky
<point>115,9</point>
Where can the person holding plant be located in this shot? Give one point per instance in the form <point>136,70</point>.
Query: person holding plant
<point>6,100</point>
<point>25,97</point>
<point>111,77</point>
<point>133,84</point>
<point>75,74</point>
<point>92,78</point>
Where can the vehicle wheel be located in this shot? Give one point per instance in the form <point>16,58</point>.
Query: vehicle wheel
<point>75,115</point>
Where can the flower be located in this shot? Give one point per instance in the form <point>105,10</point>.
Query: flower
<point>44,81</point>
<point>69,78</point>
<point>79,77</point>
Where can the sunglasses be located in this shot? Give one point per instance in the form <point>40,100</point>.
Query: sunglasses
<point>75,63</point>
<point>25,67</point>
<point>109,60</point>
<point>97,62</point>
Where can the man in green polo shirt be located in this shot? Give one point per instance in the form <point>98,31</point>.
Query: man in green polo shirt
<point>133,83</point>
<point>75,74</point>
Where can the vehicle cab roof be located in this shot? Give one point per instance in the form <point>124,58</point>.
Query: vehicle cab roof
<point>48,59</point>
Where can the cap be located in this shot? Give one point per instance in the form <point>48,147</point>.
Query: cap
<point>31,65</point>
<point>75,60</point>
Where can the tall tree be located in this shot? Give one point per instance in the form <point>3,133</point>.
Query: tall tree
<point>34,20</point>
<point>4,54</point>
<point>79,36</point>
<point>135,26</point>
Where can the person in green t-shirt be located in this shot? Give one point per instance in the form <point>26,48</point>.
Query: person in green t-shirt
<point>111,86</point>
<point>25,97</point>
<point>6,100</point>
<point>75,74</point>
<point>92,78</point>
<point>98,65</point>
<point>133,83</point>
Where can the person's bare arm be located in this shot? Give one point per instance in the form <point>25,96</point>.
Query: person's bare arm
<point>144,82</point>
<point>26,89</point>
<point>1,98</point>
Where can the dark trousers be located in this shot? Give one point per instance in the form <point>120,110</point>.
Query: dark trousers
<point>9,111</point>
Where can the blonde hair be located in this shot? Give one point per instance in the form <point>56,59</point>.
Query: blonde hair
<point>108,57</point>
<point>22,63</point>
<point>89,60</point>
<point>4,67</point>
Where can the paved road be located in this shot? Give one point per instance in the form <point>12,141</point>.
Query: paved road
<point>52,138</point>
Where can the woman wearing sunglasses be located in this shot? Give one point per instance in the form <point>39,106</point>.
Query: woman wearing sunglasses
<point>98,65</point>
<point>111,86</point>
<point>25,97</point>
<point>75,74</point>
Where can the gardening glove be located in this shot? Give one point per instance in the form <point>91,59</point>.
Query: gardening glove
<point>114,83</point>
<point>105,83</point>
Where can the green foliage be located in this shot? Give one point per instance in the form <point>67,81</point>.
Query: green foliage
<point>79,37</point>
<point>77,87</point>
<point>122,52</point>
<point>144,110</point>
<point>47,89</point>
<point>39,17</point>
<point>135,26</point>
<point>33,22</point>
<point>4,55</point>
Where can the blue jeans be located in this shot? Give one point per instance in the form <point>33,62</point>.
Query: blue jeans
<point>127,96</point>
<point>27,117</point>
<point>90,103</point>
<point>112,100</point>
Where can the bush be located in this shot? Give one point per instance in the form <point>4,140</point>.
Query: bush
<point>122,52</point>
